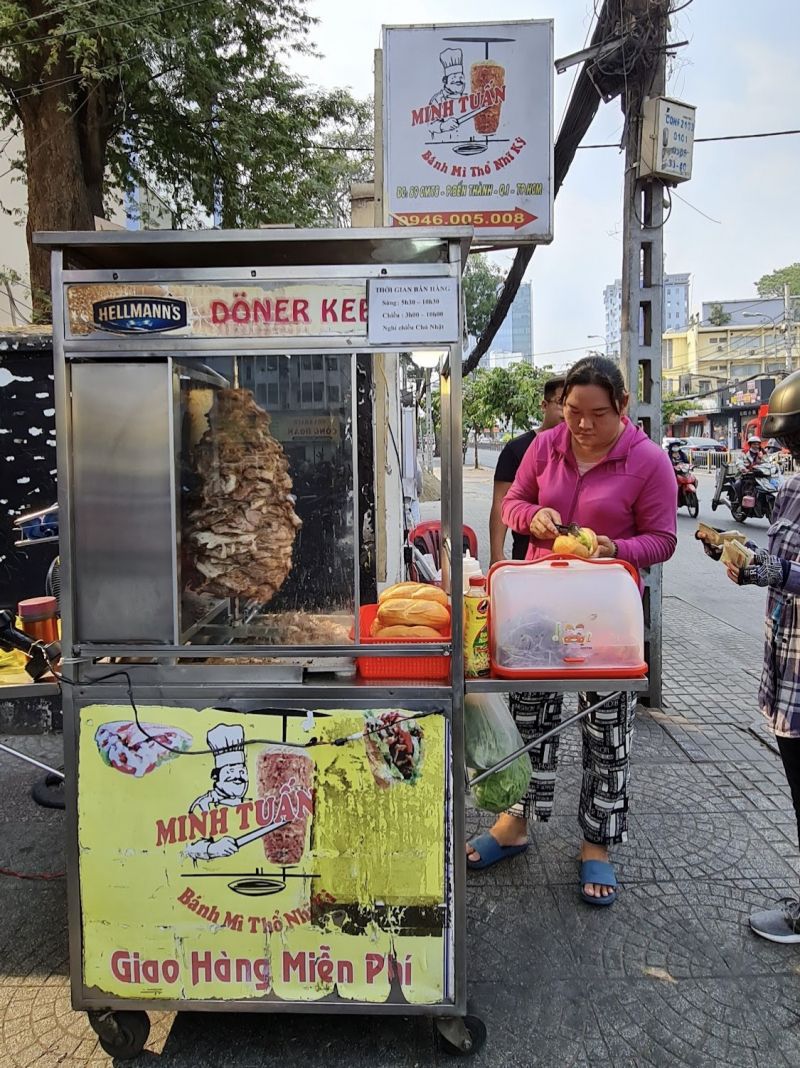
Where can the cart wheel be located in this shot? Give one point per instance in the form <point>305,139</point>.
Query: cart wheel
<point>461,1036</point>
<point>122,1034</point>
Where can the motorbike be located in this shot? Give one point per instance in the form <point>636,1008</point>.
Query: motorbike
<point>687,488</point>
<point>749,492</point>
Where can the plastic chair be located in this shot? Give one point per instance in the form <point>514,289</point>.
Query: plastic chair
<point>427,538</point>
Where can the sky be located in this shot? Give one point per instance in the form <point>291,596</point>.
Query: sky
<point>740,71</point>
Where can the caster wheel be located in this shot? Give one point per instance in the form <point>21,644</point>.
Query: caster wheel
<point>464,1040</point>
<point>121,1034</point>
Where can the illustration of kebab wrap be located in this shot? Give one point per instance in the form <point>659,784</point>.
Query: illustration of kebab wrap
<point>486,77</point>
<point>285,783</point>
<point>394,744</point>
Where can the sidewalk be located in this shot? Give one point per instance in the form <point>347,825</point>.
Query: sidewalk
<point>669,976</point>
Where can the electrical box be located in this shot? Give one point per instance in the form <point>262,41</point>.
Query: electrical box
<point>667,140</point>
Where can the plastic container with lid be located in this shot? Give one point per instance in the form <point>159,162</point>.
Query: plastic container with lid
<point>561,617</point>
<point>38,617</point>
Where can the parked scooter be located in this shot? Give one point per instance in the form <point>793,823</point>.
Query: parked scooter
<point>749,492</point>
<point>687,488</point>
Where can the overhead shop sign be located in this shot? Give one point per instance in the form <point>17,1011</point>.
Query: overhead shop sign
<point>262,309</point>
<point>468,128</point>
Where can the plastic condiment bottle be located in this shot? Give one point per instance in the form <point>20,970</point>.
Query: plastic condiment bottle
<point>38,617</point>
<point>470,567</point>
<point>476,629</point>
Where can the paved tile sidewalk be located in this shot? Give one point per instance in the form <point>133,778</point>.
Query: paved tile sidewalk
<point>670,976</point>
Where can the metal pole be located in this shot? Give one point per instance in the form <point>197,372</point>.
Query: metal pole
<point>31,760</point>
<point>788,327</point>
<point>582,714</point>
<point>642,317</point>
<point>428,422</point>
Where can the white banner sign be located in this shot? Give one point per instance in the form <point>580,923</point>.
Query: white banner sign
<point>412,311</point>
<point>468,128</point>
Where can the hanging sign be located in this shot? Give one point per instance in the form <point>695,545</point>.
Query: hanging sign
<point>412,311</point>
<point>468,128</point>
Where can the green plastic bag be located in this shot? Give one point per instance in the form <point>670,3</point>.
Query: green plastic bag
<point>490,734</point>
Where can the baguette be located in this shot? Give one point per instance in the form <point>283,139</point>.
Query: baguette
<point>414,591</point>
<point>404,611</point>
<point>399,630</point>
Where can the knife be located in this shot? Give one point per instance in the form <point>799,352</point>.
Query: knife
<point>568,528</point>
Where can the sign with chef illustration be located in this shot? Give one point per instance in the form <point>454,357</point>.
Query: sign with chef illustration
<point>279,855</point>
<point>468,128</point>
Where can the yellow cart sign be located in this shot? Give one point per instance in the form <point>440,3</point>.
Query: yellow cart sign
<point>222,857</point>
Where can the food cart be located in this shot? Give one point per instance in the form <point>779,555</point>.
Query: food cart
<point>252,825</point>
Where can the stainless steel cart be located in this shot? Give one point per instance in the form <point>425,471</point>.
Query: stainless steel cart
<point>251,825</point>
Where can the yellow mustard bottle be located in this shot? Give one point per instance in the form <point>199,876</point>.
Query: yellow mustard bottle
<point>476,629</point>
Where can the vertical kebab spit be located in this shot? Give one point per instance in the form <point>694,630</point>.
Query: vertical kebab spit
<point>285,782</point>
<point>486,77</point>
<point>240,522</point>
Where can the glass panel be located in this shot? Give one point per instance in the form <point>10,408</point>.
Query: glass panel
<point>266,506</point>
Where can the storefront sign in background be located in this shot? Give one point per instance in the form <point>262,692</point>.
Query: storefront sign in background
<point>283,309</point>
<point>468,128</point>
<point>263,870</point>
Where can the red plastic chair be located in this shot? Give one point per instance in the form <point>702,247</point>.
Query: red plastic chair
<point>427,537</point>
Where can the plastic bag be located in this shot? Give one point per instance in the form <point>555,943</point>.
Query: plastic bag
<point>490,734</point>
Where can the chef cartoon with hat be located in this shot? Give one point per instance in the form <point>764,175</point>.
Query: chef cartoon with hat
<point>229,776</point>
<point>453,86</point>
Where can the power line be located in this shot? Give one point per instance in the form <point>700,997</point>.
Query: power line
<point>38,87</point>
<point>699,212</point>
<point>726,137</point>
<point>52,13</point>
<point>92,30</point>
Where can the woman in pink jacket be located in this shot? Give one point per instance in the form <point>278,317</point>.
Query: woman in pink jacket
<point>598,470</point>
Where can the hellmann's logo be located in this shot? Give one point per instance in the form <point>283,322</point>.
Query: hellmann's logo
<point>139,315</point>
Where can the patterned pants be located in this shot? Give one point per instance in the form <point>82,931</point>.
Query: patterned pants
<point>607,733</point>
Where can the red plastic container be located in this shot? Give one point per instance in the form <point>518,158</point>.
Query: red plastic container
<point>398,667</point>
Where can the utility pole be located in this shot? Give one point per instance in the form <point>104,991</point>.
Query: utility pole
<point>643,275</point>
<point>788,326</point>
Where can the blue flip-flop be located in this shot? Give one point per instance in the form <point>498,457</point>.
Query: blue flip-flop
<point>491,852</point>
<point>601,873</point>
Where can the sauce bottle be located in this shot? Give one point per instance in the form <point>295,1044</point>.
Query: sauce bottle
<point>476,629</point>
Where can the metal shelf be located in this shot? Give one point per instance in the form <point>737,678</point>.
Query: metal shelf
<point>498,685</point>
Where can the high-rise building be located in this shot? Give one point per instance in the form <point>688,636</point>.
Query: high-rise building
<point>676,308</point>
<point>516,333</point>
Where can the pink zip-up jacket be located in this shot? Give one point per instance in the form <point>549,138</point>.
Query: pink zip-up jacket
<point>631,496</point>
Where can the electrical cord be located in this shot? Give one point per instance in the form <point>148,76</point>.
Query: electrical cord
<point>311,743</point>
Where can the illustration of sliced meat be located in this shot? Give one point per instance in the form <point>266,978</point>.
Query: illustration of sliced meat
<point>285,785</point>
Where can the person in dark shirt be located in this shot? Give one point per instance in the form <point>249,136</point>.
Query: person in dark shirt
<point>506,471</point>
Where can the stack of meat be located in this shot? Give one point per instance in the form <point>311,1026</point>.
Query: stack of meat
<point>240,524</point>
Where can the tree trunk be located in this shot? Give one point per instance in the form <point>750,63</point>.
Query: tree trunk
<point>58,198</point>
<point>475,442</point>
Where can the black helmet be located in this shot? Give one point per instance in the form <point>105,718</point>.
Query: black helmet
<point>783,419</point>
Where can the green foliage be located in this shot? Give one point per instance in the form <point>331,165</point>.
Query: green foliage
<point>482,280</point>
<point>717,316</point>
<point>771,285</point>
<point>673,408</point>
<point>193,98</point>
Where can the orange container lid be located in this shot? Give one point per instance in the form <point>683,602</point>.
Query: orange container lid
<point>37,608</point>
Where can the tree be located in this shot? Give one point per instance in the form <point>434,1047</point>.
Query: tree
<point>191,97</point>
<point>481,283</point>
<point>771,285</point>
<point>476,412</point>
<point>673,408</point>
<point>717,315</point>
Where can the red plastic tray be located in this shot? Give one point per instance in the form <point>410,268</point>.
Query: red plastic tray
<point>398,667</point>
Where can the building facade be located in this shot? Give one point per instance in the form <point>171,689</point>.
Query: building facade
<point>514,340</point>
<point>676,308</point>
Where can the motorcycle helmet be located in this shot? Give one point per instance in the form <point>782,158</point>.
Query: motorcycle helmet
<point>783,420</point>
<point>754,439</point>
